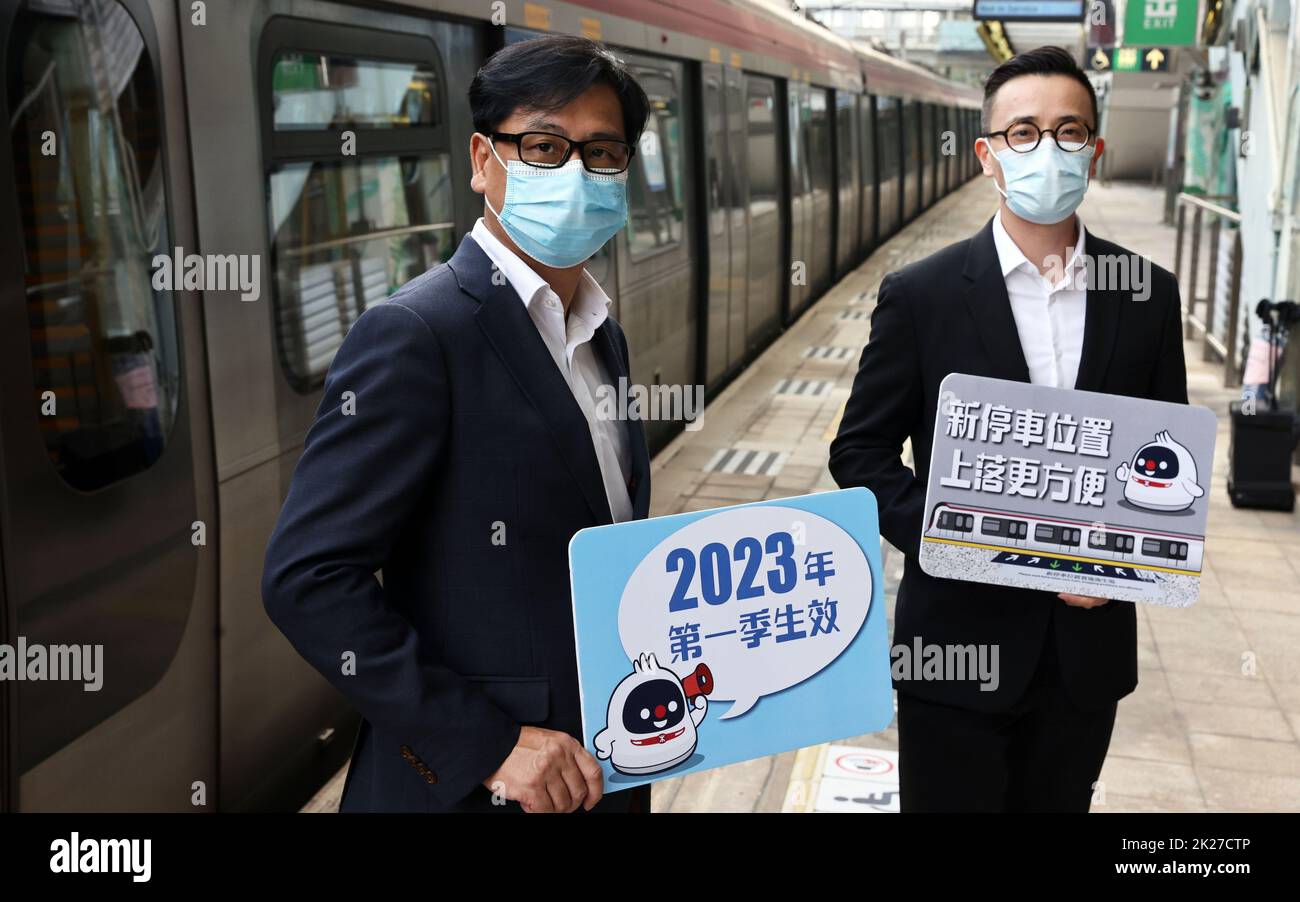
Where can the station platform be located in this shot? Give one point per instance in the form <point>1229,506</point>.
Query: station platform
<point>1215,721</point>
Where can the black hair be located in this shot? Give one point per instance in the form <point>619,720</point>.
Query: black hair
<point>1040,61</point>
<point>548,73</point>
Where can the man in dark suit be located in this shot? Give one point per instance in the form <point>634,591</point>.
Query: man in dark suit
<point>458,448</point>
<point>1012,302</point>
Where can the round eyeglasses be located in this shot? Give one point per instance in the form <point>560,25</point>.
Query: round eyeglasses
<point>547,151</point>
<point>1024,137</point>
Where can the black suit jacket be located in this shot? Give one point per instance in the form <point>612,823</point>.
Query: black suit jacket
<point>462,474</point>
<point>950,313</point>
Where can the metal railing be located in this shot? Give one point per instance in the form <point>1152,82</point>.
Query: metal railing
<point>1219,341</point>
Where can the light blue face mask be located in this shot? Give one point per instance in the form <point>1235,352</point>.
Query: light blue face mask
<point>560,217</point>
<point>1045,185</point>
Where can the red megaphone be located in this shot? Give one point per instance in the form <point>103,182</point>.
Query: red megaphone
<point>699,682</point>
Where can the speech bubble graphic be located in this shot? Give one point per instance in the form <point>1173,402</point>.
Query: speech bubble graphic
<point>734,591</point>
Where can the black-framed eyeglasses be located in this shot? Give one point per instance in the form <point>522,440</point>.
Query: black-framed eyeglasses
<point>603,156</point>
<point>1024,137</point>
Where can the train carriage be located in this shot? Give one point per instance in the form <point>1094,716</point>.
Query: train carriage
<point>149,426</point>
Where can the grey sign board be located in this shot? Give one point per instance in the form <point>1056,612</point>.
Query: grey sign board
<point>1068,491</point>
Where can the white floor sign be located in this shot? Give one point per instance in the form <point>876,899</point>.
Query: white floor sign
<point>859,780</point>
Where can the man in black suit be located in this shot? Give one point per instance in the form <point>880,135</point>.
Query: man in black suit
<point>458,448</point>
<point>1012,302</point>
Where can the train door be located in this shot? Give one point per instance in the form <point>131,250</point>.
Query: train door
<point>868,175</point>
<point>105,480</point>
<point>800,194</point>
<point>717,191</point>
<point>338,227</point>
<point>940,147</point>
<point>936,158</point>
<point>972,134</point>
<point>738,213</point>
<point>763,184</point>
<point>963,144</point>
<point>820,239</point>
<point>848,242</point>
<point>943,150</point>
<point>954,144</point>
<point>889,143</point>
<point>911,169</point>
<point>926,157</point>
<point>656,275</point>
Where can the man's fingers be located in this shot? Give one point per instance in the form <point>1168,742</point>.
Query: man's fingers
<point>574,782</point>
<point>559,793</point>
<point>591,773</point>
<point>538,802</point>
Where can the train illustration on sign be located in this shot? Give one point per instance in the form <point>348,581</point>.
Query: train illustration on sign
<point>1074,539</point>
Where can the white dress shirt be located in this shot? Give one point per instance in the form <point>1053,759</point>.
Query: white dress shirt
<point>1049,316</point>
<point>569,341</point>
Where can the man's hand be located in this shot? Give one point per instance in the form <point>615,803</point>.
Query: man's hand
<point>1081,601</point>
<point>548,771</point>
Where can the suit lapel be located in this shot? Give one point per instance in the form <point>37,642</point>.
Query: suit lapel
<point>514,337</point>
<point>990,308</point>
<point>640,485</point>
<point>1101,324</point>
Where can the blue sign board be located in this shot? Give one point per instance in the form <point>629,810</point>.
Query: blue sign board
<point>717,636</point>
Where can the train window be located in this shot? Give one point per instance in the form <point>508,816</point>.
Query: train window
<point>346,235</point>
<point>795,115</point>
<point>820,154</point>
<point>844,124</point>
<point>764,177</point>
<point>887,118</point>
<point>87,142</point>
<point>346,231</point>
<point>323,90</point>
<point>715,149</point>
<point>867,141</point>
<point>655,180</point>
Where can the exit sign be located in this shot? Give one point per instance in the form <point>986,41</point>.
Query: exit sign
<point>1165,22</point>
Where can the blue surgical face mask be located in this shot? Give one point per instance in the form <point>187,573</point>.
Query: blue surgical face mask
<point>560,217</point>
<point>1045,185</point>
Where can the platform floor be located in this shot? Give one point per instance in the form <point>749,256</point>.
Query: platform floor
<point>1215,722</point>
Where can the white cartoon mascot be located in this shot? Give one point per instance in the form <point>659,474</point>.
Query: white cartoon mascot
<point>1162,476</point>
<point>648,729</point>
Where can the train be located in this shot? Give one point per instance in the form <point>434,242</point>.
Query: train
<point>1074,540</point>
<point>150,420</point>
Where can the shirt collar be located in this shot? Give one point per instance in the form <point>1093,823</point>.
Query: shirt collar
<point>590,305</point>
<point>522,278</point>
<point>1011,258</point>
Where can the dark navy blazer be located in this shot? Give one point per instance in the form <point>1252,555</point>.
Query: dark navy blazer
<point>462,474</point>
